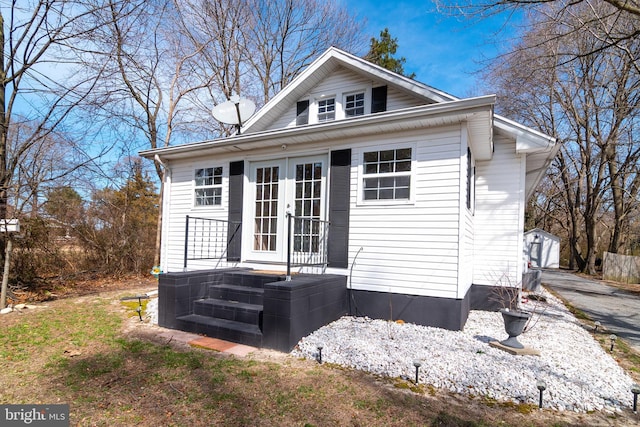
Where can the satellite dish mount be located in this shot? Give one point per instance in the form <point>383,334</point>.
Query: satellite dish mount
<point>234,111</point>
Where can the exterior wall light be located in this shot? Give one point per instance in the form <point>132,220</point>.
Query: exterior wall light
<point>542,386</point>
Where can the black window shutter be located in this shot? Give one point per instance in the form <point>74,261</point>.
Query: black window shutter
<point>234,233</point>
<point>469,178</point>
<point>338,250</point>
<point>302,113</point>
<point>379,99</point>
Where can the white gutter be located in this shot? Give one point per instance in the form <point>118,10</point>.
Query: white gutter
<point>528,140</point>
<point>309,133</point>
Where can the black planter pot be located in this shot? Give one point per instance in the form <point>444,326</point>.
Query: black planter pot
<point>514,323</point>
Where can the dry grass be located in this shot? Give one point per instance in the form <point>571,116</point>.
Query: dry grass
<point>115,371</point>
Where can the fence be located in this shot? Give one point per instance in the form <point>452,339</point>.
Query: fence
<point>621,268</point>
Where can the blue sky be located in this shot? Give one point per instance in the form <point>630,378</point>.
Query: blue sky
<point>443,52</point>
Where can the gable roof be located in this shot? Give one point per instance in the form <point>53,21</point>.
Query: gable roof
<point>539,148</point>
<point>548,235</point>
<point>320,69</point>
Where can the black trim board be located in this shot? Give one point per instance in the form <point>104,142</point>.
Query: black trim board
<point>302,112</point>
<point>338,247</point>
<point>447,313</point>
<point>236,190</point>
<point>491,298</point>
<point>379,99</point>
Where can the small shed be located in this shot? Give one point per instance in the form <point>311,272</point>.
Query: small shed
<point>542,249</point>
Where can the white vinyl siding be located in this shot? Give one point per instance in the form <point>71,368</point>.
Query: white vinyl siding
<point>180,197</point>
<point>340,83</point>
<point>466,232</point>
<point>412,249</point>
<point>499,215</point>
<point>397,100</point>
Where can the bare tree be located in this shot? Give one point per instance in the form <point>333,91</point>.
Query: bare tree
<point>172,61</point>
<point>149,86</point>
<point>284,36</point>
<point>41,43</point>
<point>591,104</point>
<point>603,20</point>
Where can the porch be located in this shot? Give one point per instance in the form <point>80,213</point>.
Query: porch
<point>250,307</point>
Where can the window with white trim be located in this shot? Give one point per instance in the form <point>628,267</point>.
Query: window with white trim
<point>208,186</point>
<point>326,109</point>
<point>354,105</point>
<point>387,174</point>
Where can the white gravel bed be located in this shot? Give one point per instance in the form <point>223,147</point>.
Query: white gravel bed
<point>152,311</point>
<point>580,376</point>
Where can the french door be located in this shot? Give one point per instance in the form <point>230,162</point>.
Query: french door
<point>296,185</point>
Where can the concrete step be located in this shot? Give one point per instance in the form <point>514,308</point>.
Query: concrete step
<point>228,330</point>
<point>229,310</point>
<point>237,293</point>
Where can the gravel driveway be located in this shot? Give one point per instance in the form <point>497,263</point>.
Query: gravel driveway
<point>617,310</point>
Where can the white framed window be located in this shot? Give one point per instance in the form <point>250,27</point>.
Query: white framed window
<point>326,109</point>
<point>208,186</point>
<point>386,174</point>
<point>354,104</point>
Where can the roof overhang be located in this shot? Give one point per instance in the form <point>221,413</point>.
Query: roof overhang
<point>478,111</point>
<point>540,150</point>
<point>324,66</point>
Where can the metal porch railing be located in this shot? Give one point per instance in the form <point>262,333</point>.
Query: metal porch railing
<point>209,239</point>
<point>307,240</point>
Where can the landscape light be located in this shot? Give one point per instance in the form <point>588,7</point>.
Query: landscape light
<point>635,390</point>
<point>613,338</point>
<point>320,347</point>
<point>542,386</point>
<point>596,325</point>
<point>417,364</point>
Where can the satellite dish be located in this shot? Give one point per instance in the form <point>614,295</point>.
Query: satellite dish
<point>234,112</point>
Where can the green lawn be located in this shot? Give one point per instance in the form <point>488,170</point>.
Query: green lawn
<point>75,351</point>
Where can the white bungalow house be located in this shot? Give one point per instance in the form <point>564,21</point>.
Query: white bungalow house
<point>423,195</point>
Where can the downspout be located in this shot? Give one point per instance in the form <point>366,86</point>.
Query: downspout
<point>160,225</point>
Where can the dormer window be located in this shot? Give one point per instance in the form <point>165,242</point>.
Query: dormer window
<point>326,109</point>
<point>354,105</point>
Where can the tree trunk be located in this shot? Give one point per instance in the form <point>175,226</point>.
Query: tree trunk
<point>5,274</point>
<point>4,185</point>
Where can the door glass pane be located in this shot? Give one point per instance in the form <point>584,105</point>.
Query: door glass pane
<point>266,212</point>
<point>307,207</point>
